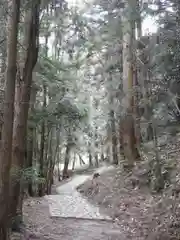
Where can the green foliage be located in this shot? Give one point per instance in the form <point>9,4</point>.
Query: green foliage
<point>26,175</point>
<point>31,174</point>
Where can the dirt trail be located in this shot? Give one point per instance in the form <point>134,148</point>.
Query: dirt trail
<point>61,221</point>
<point>69,203</point>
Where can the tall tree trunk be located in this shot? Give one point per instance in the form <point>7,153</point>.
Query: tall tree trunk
<point>3,48</point>
<point>90,159</point>
<point>74,162</point>
<point>114,138</point>
<point>158,183</point>
<point>102,156</point>
<point>121,150</point>
<point>67,155</point>
<point>42,146</point>
<point>7,128</point>
<point>112,127</point>
<point>59,174</point>
<point>137,71</point>
<point>128,125</point>
<point>49,164</point>
<point>3,60</point>
<point>59,161</point>
<point>81,161</point>
<point>21,117</point>
<point>147,109</point>
<point>108,153</point>
<point>30,142</point>
<point>96,147</point>
<point>30,159</point>
<point>47,154</point>
<point>66,161</point>
<point>89,150</point>
<point>43,131</point>
<point>53,150</point>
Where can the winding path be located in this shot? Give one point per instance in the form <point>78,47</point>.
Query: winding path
<point>69,203</point>
<point>80,219</point>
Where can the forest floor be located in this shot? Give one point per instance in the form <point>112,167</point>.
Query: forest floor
<point>40,225</point>
<point>110,207</point>
<point>67,215</point>
<point>127,197</point>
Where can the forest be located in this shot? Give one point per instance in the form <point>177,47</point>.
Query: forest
<point>85,84</point>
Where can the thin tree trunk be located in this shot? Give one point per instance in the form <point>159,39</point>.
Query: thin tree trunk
<point>42,145</point>
<point>74,161</point>
<point>112,127</point>
<point>53,149</point>
<point>111,120</point>
<point>89,150</point>
<point>90,159</point>
<point>107,154</point>
<point>137,73</point>
<point>96,148</point>
<point>36,145</point>
<point>3,59</point>
<point>102,157</point>
<point>59,174</point>
<point>121,140</point>
<point>7,128</point>
<point>59,160</point>
<point>67,155</point>
<point>66,161</point>
<point>43,130</point>
<point>30,160</point>
<point>47,153</point>
<point>30,143</point>
<point>49,164</point>
<point>114,139</point>
<point>56,151</point>
<point>82,162</point>
<point>158,183</point>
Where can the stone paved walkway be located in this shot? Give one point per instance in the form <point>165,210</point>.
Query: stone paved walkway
<point>40,226</point>
<point>70,204</point>
<point>71,216</point>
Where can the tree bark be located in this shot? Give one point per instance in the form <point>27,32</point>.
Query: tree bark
<point>96,147</point>
<point>43,131</point>
<point>30,142</point>
<point>49,164</point>
<point>42,146</point>
<point>128,125</point>
<point>52,153</point>
<point>67,155</point>
<point>7,128</point>
<point>89,150</point>
<point>59,161</point>
<point>3,64</point>
<point>66,161</point>
<point>112,127</point>
<point>114,138</point>
<point>81,161</point>
<point>74,162</point>
<point>21,117</point>
<point>137,71</point>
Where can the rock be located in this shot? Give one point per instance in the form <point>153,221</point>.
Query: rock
<point>96,175</point>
